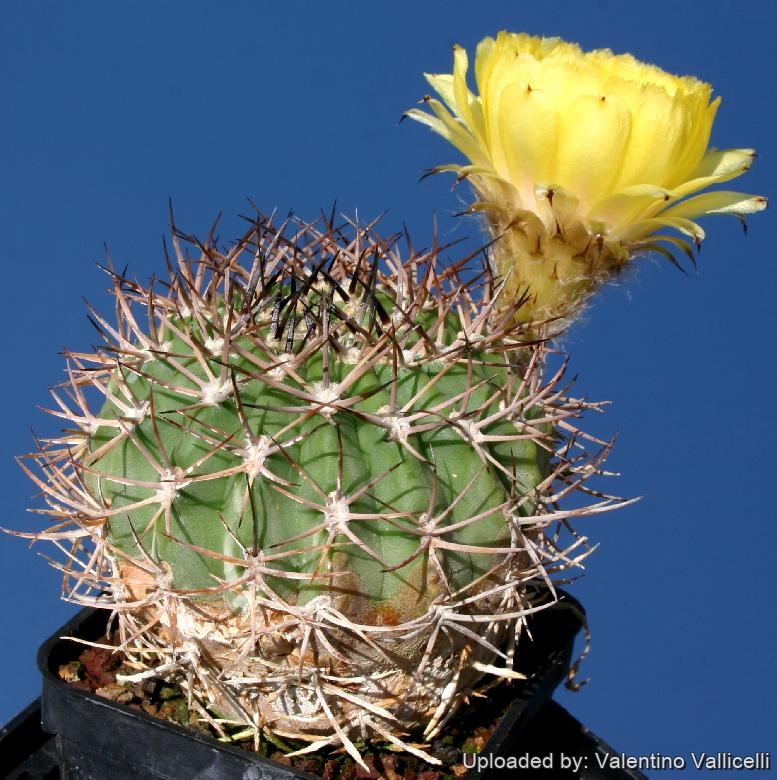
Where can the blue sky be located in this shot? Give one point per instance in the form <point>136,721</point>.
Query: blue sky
<point>107,112</point>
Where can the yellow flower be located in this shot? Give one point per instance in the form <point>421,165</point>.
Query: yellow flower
<point>580,161</point>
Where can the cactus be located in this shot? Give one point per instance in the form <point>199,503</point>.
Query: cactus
<point>317,482</point>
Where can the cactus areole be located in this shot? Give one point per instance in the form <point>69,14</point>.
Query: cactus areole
<point>317,482</point>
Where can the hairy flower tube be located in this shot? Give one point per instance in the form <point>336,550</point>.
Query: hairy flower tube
<point>580,161</point>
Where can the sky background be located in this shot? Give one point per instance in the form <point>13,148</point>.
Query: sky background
<point>107,110</point>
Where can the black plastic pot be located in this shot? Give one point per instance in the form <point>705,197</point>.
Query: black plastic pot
<point>97,738</point>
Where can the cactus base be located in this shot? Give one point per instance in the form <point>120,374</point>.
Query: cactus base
<point>102,738</point>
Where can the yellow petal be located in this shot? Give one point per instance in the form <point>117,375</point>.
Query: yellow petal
<point>450,129</point>
<point>719,202</point>
<point>629,205</point>
<point>717,167</point>
<point>700,115</point>
<point>528,129</point>
<point>660,128</point>
<point>484,63</point>
<point>442,84</point>
<point>464,98</point>
<point>593,136</point>
<point>687,226</point>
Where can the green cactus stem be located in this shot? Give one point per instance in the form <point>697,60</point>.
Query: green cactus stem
<point>316,481</point>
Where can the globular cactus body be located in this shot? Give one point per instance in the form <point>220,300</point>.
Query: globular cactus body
<point>320,486</point>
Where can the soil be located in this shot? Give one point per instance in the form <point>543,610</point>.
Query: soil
<point>96,669</point>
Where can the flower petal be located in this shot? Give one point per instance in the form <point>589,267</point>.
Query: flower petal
<point>451,129</point>
<point>717,167</point>
<point>464,98</point>
<point>687,226</point>
<point>442,84</point>
<point>592,140</point>
<point>629,205</point>
<point>719,202</point>
<point>528,127</point>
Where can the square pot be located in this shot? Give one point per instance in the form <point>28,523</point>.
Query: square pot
<point>98,738</point>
